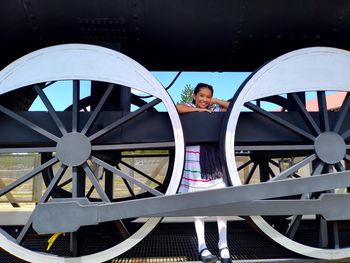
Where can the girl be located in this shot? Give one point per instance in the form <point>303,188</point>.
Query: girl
<point>203,170</point>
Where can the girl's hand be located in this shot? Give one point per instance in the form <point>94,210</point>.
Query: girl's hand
<point>223,104</point>
<point>213,101</point>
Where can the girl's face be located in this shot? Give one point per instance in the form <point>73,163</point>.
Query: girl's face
<point>203,98</point>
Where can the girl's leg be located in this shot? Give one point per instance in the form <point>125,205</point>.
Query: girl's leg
<point>199,226</point>
<point>222,229</point>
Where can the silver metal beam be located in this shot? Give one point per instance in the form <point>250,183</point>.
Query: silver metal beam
<point>69,215</point>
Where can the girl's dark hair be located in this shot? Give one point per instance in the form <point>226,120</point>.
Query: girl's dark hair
<point>199,87</point>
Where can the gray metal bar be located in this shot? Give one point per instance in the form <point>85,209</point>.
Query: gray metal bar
<point>239,200</point>
<point>280,121</point>
<point>28,150</point>
<point>294,168</point>
<point>125,176</point>
<point>274,147</point>
<point>145,155</point>
<point>50,109</point>
<point>305,114</point>
<point>75,111</point>
<point>323,111</point>
<point>29,124</point>
<point>97,110</point>
<point>28,176</point>
<point>124,119</point>
<point>131,146</point>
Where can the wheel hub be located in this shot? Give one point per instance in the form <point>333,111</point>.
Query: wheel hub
<point>330,147</point>
<point>73,149</point>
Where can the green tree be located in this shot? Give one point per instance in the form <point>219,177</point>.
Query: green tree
<point>186,94</point>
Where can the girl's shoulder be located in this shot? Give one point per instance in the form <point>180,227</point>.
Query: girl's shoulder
<point>189,104</point>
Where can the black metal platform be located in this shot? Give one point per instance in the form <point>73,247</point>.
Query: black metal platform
<point>177,242</point>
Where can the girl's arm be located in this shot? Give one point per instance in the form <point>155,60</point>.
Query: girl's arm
<point>183,108</point>
<point>222,103</point>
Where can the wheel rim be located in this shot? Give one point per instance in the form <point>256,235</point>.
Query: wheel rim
<point>305,70</point>
<point>69,62</point>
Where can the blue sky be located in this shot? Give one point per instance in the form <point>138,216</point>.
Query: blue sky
<point>225,85</point>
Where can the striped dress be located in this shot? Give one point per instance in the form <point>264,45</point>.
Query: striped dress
<point>191,179</point>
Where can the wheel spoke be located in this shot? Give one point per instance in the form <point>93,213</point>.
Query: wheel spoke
<point>322,108</point>
<point>75,111</point>
<point>129,188</point>
<point>124,119</point>
<point>345,135</point>
<point>322,232</point>
<point>347,157</point>
<point>250,174</point>
<point>43,199</point>
<point>140,172</point>
<point>97,110</point>
<point>131,192</point>
<point>274,163</point>
<point>78,182</point>
<point>50,109</point>
<point>244,165</point>
<point>295,168</point>
<point>318,168</point>
<point>88,194</point>
<point>342,113</point>
<point>126,176</point>
<point>293,226</point>
<point>339,167</point>
<point>334,234</point>
<point>306,115</point>
<point>122,229</point>
<point>270,171</point>
<point>8,236</point>
<point>279,121</point>
<point>28,176</point>
<point>65,183</point>
<point>296,220</point>
<point>28,123</point>
<point>95,183</point>
<point>9,196</point>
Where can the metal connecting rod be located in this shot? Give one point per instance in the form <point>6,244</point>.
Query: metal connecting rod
<point>67,215</point>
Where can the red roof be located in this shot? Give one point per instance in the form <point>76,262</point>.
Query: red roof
<point>334,101</point>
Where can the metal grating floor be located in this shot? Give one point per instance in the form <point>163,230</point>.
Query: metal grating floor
<point>177,242</point>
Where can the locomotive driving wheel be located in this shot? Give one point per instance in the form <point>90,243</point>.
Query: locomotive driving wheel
<point>87,154</point>
<point>307,136</point>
